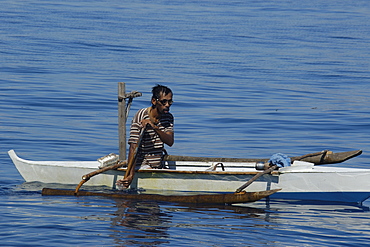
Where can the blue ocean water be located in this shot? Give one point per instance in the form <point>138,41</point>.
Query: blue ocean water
<point>250,79</point>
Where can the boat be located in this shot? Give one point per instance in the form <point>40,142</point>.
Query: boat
<point>301,181</point>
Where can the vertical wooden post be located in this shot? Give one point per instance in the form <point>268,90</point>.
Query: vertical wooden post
<point>122,120</point>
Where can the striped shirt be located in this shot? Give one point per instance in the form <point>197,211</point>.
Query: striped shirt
<point>151,145</point>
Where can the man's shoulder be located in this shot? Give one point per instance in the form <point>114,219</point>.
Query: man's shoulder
<point>141,113</point>
<point>142,110</point>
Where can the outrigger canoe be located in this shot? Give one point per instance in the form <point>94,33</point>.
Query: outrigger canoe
<point>305,179</point>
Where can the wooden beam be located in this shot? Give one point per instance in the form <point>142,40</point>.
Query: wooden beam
<point>122,120</point>
<point>220,198</point>
<point>319,158</point>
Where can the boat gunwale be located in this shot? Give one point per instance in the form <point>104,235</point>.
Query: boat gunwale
<point>195,172</point>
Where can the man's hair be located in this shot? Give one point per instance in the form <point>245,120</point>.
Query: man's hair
<point>158,90</point>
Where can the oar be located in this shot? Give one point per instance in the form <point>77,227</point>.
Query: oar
<point>133,158</point>
<point>269,170</point>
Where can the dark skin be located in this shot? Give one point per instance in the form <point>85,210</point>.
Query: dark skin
<point>155,114</point>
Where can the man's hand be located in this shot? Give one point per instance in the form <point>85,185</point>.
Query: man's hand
<point>124,183</point>
<point>146,122</point>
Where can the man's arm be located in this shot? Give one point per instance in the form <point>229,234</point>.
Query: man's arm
<point>130,174</point>
<point>166,137</point>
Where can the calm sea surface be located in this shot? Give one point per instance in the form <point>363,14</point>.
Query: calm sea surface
<point>250,79</point>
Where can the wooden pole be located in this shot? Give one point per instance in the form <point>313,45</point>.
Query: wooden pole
<point>319,158</point>
<point>220,198</point>
<point>122,120</point>
<point>255,178</point>
<point>87,177</point>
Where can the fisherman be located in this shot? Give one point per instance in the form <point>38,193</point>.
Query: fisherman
<point>158,125</point>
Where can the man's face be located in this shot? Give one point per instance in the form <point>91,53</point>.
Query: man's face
<point>164,103</point>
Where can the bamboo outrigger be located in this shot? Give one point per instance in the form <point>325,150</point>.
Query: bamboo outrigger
<point>221,198</point>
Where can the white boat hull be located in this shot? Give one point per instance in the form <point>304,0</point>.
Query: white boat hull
<point>303,181</point>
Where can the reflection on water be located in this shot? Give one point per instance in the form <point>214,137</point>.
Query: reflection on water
<point>143,222</point>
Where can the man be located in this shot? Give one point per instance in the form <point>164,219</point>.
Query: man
<point>157,123</point>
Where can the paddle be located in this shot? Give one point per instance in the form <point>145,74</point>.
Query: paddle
<point>133,158</point>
